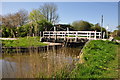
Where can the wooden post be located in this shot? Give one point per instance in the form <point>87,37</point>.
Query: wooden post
<point>76,36</point>
<point>87,35</point>
<point>99,35</point>
<point>40,36</point>
<point>55,33</point>
<point>43,33</point>
<point>49,34</point>
<point>90,35</point>
<point>64,36</point>
<point>68,31</point>
<point>95,35</point>
<point>103,35</point>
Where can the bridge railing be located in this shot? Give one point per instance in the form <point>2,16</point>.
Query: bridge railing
<point>72,34</point>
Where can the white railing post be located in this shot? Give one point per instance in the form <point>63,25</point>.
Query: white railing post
<point>95,35</point>
<point>43,33</point>
<point>90,35</point>
<point>68,31</point>
<point>40,33</point>
<point>87,35</point>
<point>64,36</point>
<point>76,36</point>
<point>55,33</point>
<point>99,35</point>
<point>49,34</point>
<point>103,35</point>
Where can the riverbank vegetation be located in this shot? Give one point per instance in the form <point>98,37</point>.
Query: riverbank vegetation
<point>23,42</point>
<point>99,60</point>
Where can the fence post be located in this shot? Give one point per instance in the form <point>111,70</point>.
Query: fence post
<point>49,34</point>
<point>95,35</point>
<point>87,35</point>
<point>76,36</point>
<point>99,35</point>
<point>43,33</point>
<point>68,31</point>
<point>55,33</point>
<point>90,35</point>
<point>40,33</point>
<point>103,35</point>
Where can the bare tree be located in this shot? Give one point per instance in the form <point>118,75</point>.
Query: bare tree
<point>49,10</point>
<point>22,16</point>
<point>14,20</point>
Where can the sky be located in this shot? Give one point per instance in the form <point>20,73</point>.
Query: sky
<point>73,11</point>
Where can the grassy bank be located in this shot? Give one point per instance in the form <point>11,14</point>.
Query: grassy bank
<point>23,42</point>
<point>117,38</point>
<point>100,61</point>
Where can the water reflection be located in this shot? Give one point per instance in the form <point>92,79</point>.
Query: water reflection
<point>38,64</point>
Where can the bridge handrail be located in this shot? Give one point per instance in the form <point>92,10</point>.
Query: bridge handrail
<point>88,34</point>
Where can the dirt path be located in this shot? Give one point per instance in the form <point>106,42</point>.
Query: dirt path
<point>8,38</point>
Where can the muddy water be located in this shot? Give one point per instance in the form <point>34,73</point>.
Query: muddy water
<point>38,64</point>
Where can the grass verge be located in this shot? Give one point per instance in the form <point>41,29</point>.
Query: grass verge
<point>23,42</point>
<point>100,61</point>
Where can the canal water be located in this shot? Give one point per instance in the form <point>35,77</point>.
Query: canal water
<point>42,64</point>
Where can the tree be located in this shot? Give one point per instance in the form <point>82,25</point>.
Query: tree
<point>97,28</point>
<point>22,16</point>
<point>24,30</point>
<point>49,10</point>
<point>12,21</point>
<point>44,25</point>
<point>35,16</point>
<point>81,25</point>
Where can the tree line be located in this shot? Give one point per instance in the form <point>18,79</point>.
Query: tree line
<point>22,23</point>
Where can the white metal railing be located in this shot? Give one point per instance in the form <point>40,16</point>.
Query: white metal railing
<point>74,34</point>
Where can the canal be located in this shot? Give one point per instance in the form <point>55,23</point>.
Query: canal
<point>43,64</point>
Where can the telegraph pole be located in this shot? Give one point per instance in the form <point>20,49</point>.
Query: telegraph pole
<point>101,26</point>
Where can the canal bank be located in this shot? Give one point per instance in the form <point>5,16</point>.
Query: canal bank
<point>99,59</point>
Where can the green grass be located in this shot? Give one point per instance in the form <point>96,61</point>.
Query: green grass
<point>100,61</point>
<point>117,38</point>
<point>23,42</point>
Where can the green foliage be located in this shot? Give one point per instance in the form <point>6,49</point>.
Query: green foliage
<point>23,30</point>
<point>82,25</point>
<point>44,25</point>
<point>100,61</point>
<point>117,38</point>
<point>116,33</point>
<point>8,31</point>
<point>97,27</point>
<point>5,31</point>
<point>35,15</point>
<point>23,42</point>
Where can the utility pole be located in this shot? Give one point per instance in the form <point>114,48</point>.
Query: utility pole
<point>101,26</point>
